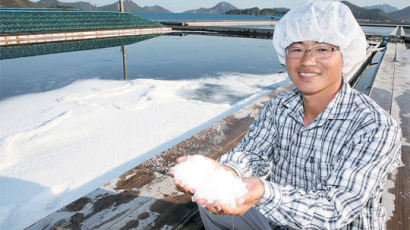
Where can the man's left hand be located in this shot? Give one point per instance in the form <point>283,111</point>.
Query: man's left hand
<point>243,204</point>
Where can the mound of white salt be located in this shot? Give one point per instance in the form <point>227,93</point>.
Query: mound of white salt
<point>208,182</point>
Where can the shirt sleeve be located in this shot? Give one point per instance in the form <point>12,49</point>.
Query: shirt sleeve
<point>252,156</point>
<point>367,158</point>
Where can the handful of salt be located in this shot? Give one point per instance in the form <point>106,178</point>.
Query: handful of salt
<point>208,182</point>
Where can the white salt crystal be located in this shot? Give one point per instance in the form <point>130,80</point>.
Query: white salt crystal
<point>209,183</point>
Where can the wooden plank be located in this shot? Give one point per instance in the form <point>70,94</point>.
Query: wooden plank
<point>391,91</point>
<point>382,89</point>
<point>394,32</point>
<point>382,93</point>
<point>400,218</point>
<point>145,197</point>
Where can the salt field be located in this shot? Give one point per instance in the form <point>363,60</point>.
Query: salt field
<point>70,123</point>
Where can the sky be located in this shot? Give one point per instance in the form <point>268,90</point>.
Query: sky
<point>183,5</point>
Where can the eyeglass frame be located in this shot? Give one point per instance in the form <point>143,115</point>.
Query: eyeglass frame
<point>310,50</point>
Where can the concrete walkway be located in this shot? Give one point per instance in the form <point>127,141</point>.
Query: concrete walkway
<point>391,90</point>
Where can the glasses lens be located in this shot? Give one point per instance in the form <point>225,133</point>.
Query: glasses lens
<point>322,52</point>
<point>295,52</point>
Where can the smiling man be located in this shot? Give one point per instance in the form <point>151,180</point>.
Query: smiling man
<point>317,74</point>
<point>326,147</point>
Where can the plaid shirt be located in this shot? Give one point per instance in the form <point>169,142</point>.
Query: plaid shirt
<point>328,175</point>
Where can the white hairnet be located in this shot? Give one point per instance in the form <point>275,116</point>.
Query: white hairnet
<point>322,21</point>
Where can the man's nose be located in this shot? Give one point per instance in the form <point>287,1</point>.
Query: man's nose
<point>308,58</point>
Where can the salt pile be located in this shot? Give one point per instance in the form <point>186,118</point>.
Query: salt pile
<point>208,182</point>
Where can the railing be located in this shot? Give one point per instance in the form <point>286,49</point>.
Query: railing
<point>23,21</point>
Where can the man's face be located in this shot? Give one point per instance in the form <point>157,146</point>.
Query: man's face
<point>313,75</point>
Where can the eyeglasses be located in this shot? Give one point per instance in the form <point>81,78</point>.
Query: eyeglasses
<point>320,52</point>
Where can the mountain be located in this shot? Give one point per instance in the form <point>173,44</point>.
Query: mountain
<point>403,14</point>
<point>49,3</point>
<point>220,8</point>
<point>248,11</point>
<point>18,4</point>
<point>385,7</point>
<point>58,4</point>
<point>358,12</point>
<point>362,13</point>
<point>129,6</point>
<point>77,5</point>
<point>155,9</point>
<point>258,12</point>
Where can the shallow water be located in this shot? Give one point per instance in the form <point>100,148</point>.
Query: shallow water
<point>163,57</point>
<point>377,30</point>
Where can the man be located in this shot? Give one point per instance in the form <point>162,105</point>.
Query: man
<point>326,147</point>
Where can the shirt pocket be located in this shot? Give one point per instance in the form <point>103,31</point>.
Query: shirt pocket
<point>321,171</point>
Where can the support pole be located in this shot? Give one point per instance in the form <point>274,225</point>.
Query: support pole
<point>121,5</point>
<point>124,61</point>
<point>396,59</point>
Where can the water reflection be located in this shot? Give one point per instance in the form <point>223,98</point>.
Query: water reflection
<point>16,51</point>
<point>219,94</point>
<point>223,34</point>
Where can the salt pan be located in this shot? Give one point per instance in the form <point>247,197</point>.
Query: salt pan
<point>47,140</point>
<point>208,182</point>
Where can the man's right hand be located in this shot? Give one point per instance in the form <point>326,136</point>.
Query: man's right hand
<point>186,188</point>
<point>178,183</point>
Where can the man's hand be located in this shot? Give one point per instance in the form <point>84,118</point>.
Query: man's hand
<point>178,183</point>
<point>243,204</point>
<point>186,188</point>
